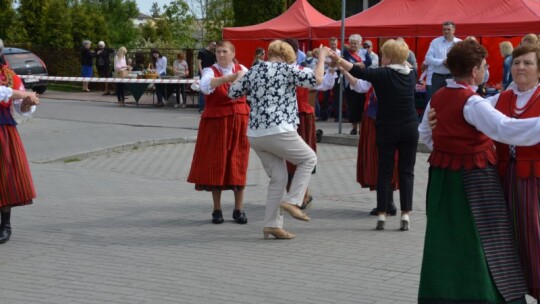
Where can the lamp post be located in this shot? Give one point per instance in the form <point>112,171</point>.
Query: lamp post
<point>343,4</point>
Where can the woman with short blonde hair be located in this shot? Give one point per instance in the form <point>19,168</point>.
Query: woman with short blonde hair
<point>120,64</point>
<point>283,50</point>
<point>396,122</point>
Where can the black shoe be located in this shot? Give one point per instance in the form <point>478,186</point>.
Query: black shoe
<point>217,217</point>
<point>318,135</point>
<point>389,211</point>
<point>5,233</point>
<point>307,203</point>
<point>239,217</point>
<point>353,132</point>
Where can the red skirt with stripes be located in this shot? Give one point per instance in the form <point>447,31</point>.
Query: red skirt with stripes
<point>523,197</point>
<point>306,130</point>
<point>16,185</point>
<point>221,154</point>
<point>366,165</point>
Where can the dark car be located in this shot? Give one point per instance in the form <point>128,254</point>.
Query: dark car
<point>24,62</point>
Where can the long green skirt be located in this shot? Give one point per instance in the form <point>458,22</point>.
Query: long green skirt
<point>454,268</point>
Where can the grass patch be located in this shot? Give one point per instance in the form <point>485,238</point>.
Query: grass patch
<point>71,160</point>
<point>64,87</point>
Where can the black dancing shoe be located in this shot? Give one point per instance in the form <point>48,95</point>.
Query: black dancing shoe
<point>391,210</point>
<point>217,217</point>
<point>354,132</point>
<point>5,233</point>
<point>239,217</point>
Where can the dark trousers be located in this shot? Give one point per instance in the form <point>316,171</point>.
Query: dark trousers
<point>355,105</point>
<point>120,91</point>
<point>438,81</point>
<point>325,105</point>
<point>181,88</point>
<point>404,140</point>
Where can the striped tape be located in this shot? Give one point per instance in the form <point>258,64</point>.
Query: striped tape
<point>107,80</point>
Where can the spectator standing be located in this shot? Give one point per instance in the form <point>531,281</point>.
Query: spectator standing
<point>87,63</point>
<point>506,49</point>
<point>120,64</point>
<point>181,70</point>
<point>103,63</point>
<point>205,58</point>
<point>436,55</point>
<point>160,64</point>
<point>333,43</point>
<point>259,56</point>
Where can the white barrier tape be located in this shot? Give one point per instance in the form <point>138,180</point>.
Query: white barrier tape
<point>108,80</point>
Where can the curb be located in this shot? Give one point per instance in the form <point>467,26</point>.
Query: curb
<point>352,140</point>
<point>125,147</point>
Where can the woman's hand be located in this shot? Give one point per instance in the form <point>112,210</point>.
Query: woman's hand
<point>431,118</point>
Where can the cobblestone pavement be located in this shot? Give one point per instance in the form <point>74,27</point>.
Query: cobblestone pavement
<point>124,226</point>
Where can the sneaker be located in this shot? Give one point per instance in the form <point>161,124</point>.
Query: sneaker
<point>239,217</point>
<point>176,105</point>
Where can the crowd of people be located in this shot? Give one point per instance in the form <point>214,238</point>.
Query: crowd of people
<point>482,242</point>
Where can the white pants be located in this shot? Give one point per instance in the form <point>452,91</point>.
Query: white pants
<point>274,150</point>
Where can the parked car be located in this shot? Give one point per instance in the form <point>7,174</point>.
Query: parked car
<point>24,62</point>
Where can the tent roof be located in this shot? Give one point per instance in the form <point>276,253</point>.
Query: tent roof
<point>423,18</point>
<point>296,22</point>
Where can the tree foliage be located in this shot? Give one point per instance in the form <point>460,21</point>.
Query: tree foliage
<point>248,12</point>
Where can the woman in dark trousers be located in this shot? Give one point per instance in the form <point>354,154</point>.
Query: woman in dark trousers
<point>396,124</point>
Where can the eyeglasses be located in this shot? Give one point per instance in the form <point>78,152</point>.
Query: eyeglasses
<point>367,46</point>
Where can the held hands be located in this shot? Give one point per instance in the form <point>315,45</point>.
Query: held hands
<point>431,118</point>
<point>31,99</point>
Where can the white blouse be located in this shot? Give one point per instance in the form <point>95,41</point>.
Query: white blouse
<point>481,113</point>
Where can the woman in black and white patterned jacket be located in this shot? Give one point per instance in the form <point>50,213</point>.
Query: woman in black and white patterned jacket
<point>270,89</point>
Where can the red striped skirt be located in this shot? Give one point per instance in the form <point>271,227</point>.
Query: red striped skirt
<point>523,197</point>
<point>221,154</point>
<point>306,130</point>
<point>366,165</point>
<point>16,185</point>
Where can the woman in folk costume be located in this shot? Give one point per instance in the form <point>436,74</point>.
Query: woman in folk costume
<point>221,153</point>
<point>356,55</point>
<point>519,166</point>
<point>366,164</point>
<point>470,253</point>
<point>16,185</point>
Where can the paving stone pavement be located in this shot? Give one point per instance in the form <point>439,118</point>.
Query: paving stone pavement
<point>124,226</point>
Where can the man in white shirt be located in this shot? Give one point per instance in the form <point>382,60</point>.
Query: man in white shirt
<point>332,43</point>
<point>436,55</point>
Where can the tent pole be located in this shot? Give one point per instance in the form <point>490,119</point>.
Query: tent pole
<point>340,128</point>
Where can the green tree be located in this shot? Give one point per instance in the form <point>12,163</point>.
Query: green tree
<point>58,31</point>
<point>155,11</point>
<point>31,14</point>
<point>331,9</point>
<point>88,23</point>
<point>220,15</point>
<point>11,30</point>
<point>250,12</point>
<point>178,19</point>
<point>118,15</point>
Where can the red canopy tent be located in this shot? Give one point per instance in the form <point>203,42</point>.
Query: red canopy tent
<point>490,21</point>
<point>296,23</point>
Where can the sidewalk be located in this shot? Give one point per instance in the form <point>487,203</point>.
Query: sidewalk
<point>124,226</point>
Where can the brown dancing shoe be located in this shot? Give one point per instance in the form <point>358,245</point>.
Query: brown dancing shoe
<point>295,212</point>
<point>278,233</point>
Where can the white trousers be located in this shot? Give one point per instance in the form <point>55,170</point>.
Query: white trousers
<point>274,150</point>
